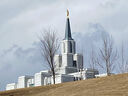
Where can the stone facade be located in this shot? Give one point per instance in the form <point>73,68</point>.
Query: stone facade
<point>11,86</point>
<point>69,67</point>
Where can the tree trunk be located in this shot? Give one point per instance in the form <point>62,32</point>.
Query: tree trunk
<point>53,73</point>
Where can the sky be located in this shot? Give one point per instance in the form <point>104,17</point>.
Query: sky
<point>22,21</point>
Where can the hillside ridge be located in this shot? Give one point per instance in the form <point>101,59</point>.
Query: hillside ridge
<point>116,85</point>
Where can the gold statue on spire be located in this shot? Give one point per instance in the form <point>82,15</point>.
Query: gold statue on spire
<point>67,13</point>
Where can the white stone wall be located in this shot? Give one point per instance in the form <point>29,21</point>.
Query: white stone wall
<point>85,73</point>
<point>47,80</point>
<point>22,81</point>
<point>67,60</point>
<point>79,60</point>
<point>30,82</point>
<point>58,79</point>
<point>44,78</point>
<point>65,46</point>
<point>39,78</point>
<point>11,86</point>
<point>58,61</point>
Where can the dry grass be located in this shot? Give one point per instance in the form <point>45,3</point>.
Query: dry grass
<point>116,85</point>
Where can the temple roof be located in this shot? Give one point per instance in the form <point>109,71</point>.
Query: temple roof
<point>68,29</point>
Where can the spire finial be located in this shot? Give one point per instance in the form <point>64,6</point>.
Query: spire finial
<point>67,13</point>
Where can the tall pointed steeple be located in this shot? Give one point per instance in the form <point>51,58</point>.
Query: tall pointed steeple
<point>68,44</point>
<point>68,29</point>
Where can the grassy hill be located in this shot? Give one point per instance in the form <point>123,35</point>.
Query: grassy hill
<point>116,85</point>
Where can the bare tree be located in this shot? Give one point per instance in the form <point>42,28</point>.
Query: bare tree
<point>123,64</point>
<point>49,47</point>
<point>107,55</point>
<point>81,65</point>
<point>92,59</point>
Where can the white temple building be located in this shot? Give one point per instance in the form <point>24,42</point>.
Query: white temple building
<point>69,66</point>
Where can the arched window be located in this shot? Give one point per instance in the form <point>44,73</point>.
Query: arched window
<point>74,47</point>
<point>64,47</point>
<point>70,47</point>
<point>74,64</point>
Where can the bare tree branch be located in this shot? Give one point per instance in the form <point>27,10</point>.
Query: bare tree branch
<point>123,64</point>
<point>107,55</point>
<point>49,47</point>
<point>93,60</point>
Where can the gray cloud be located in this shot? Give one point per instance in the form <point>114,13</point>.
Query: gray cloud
<point>17,61</point>
<point>25,19</point>
<point>89,39</point>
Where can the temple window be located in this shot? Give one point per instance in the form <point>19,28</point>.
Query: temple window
<point>74,64</point>
<point>70,47</point>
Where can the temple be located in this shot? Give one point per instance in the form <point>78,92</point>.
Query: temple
<point>69,66</point>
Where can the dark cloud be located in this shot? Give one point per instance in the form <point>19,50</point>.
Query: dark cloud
<point>91,38</point>
<point>17,61</point>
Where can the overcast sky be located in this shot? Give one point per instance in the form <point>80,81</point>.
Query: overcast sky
<point>21,22</point>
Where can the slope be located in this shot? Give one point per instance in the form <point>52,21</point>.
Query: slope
<point>116,85</point>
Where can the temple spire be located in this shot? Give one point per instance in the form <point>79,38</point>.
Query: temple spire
<point>68,29</point>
